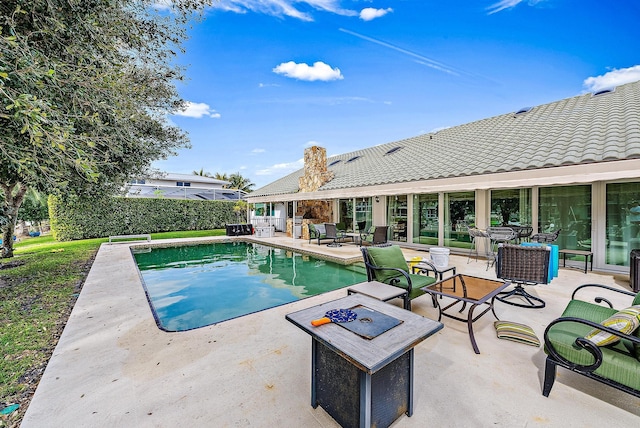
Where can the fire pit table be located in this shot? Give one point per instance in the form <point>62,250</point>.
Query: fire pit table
<point>362,371</point>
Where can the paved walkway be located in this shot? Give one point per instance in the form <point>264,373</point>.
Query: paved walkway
<point>113,367</point>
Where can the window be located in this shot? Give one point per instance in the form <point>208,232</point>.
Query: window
<point>335,162</point>
<point>397,215</point>
<point>425,219</point>
<point>523,110</point>
<point>511,207</point>
<point>183,184</point>
<point>391,151</point>
<point>460,213</point>
<point>567,208</point>
<point>140,181</point>
<point>353,158</point>
<point>623,222</point>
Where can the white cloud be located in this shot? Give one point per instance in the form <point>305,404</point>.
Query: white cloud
<point>612,78</point>
<point>198,110</point>
<point>318,71</point>
<point>283,7</point>
<point>282,168</point>
<point>370,13</point>
<point>258,151</point>
<point>509,4</point>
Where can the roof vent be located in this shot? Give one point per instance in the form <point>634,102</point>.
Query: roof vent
<point>335,162</point>
<point>393,150</point>
<point>603,91</point>
<point>353,158</point>
<point>523,110</point>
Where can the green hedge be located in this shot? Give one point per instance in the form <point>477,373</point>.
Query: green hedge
<point>74,218</point>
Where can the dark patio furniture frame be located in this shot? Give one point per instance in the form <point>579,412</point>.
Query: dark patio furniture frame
<point>554,359</point>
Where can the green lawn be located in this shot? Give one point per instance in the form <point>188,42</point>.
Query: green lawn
<point>37,297</point>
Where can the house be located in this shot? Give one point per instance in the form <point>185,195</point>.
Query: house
<point>571,165</point>
<point>182,186</point>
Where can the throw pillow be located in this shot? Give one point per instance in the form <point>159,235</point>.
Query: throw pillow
<point>517,332</point>
<point>624,321</point>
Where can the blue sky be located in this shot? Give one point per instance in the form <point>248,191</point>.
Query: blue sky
<point>268,78</point>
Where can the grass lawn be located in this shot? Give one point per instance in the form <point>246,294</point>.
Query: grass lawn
<point>38,288</point>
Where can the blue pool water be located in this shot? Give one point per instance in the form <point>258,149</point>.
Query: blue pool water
<point>197,285</point>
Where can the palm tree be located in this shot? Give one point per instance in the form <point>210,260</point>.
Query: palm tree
<point>223,177</point>
<point>202,173</point>
<point>238,182</point>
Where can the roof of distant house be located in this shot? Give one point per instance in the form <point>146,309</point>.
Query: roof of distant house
<point>589,128</point>
<point>193,178</point>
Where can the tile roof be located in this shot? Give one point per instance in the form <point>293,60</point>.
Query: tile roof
<point>578,130</point>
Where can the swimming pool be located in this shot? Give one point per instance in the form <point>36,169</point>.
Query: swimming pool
<point>194,286</point>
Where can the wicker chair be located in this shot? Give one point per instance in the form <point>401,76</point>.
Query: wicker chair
<point>522,266</point>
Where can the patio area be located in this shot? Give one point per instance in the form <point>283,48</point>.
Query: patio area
<point>114,367</point>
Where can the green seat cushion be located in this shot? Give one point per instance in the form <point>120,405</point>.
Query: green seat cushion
<point>417,282</point>
<point>618,363</point>
<point>388,257</point>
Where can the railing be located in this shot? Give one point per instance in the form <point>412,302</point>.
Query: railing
<point>280,223</point>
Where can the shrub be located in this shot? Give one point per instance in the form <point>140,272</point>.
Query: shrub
<point>74,218</point>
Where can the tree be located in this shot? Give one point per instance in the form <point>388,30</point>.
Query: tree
<point>238,182</point>
<point>34,208</point>
<point>85,87</point>
<point>223,177</point>
<point>202,173</point>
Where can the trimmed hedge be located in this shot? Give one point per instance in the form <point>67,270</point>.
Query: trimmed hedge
<point>81,219</point>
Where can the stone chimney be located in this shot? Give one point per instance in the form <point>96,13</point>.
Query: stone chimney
<point>315,169</point>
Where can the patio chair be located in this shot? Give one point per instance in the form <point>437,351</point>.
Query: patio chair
<point>332,232</point>
<point>475,234</point>
<point>498,235</point>
<point>376,235</point>
<point>545,237</point>
<point>596,341</point>
<point>522,266</point>
<point>387,264</point>
<point>524,233</point>
<point>317,231</point>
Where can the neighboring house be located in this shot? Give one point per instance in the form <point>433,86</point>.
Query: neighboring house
<point>182,186</point>
<point>572,165</point>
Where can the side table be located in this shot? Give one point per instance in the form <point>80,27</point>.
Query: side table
<point>363,382</point>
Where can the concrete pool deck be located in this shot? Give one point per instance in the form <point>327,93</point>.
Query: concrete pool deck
<point>114,367</point>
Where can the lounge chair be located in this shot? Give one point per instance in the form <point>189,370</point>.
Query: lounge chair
<point>387,264</point>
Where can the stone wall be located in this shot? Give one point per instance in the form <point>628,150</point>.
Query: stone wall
<point>315,169</point>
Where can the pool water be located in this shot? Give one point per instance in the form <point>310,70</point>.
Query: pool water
<point>198,285</point>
